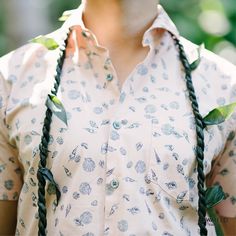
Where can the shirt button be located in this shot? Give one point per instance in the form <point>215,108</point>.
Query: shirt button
<point>114,183</point>
<point>109,77</point>
<point>116,125</point>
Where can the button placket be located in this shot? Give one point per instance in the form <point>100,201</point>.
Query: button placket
<point>113,166</point>
<point>113,184</point>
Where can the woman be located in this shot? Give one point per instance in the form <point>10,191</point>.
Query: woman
<point>123,154</point>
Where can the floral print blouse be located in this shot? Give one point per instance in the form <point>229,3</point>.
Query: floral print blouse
<point>125,163</point>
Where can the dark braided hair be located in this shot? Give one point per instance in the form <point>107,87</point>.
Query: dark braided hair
<point>43,147</point>
<point>200,138</point>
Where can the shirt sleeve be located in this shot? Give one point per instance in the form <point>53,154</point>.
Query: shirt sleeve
<point>10,170</point>
<point>224,173</point>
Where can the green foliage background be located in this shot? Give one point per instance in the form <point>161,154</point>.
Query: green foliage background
<point>185,14</point>
<point>3,39</point>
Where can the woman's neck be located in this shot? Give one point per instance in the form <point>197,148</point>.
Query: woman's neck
<point>116,22</point>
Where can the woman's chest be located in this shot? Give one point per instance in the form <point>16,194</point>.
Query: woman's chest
<point>146,130</point>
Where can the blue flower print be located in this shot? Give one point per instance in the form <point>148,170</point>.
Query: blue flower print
<point>142,69</point>
<point>73,94</point>
<point>9,184</point>
<point>84,219</point>
<point>88,165</point>
<point>122,225</point>
<point>150,108</point>
<point>140,166</point>
<point>85,188</point>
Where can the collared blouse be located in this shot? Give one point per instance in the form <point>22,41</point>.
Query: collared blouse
<point>125,163</point>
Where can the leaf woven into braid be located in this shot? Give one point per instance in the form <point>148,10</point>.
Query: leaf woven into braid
<point>200,137</point>
<point>43,147</point>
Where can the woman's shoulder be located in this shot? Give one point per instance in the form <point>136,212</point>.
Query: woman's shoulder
<point>29,52</point>
<point>31,58</point>
<point>207,58</point>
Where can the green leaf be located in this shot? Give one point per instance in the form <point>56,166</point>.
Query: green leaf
<point>219,115</point>
<point>214,195</point>
<point>49,43</point>
<point>56,107</point>
<point>51,189</point>
<point>216,221</point>
<point>47,175</point>
<point>196,63</point>
<point>63,18</point>
<point>66,15</point>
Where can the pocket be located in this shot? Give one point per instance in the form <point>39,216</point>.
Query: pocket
<point>172,160</point>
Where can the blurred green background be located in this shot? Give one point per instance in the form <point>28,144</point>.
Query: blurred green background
<point>210,21</point>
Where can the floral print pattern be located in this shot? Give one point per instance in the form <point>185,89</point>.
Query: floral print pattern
<point>125,164</point>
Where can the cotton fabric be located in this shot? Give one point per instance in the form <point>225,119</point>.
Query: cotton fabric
<point>126,162</point>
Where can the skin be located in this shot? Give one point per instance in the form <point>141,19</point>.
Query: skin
<point>8,213</point>
<point>119,26</point>
<point>228,225</point>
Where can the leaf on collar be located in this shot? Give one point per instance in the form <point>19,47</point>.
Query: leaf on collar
<point>49,43</point>
<point>196,63</point>
<point>219,114</point>
<point>65,15</point>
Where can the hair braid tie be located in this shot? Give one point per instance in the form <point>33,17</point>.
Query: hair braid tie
<point>43,147</point>
<point>200,138</point>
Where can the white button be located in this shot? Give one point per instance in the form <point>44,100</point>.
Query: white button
<point>116,125</point>
<point>114,183</point>
<point>109,77</point>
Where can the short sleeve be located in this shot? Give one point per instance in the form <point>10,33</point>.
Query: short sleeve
<point>10,171</point>
<point>224,172</point>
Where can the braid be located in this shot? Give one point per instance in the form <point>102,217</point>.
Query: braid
<point>200,138</point>
<point>43,147</point>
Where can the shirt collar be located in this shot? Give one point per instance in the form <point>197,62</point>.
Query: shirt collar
<point>162,21</point>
